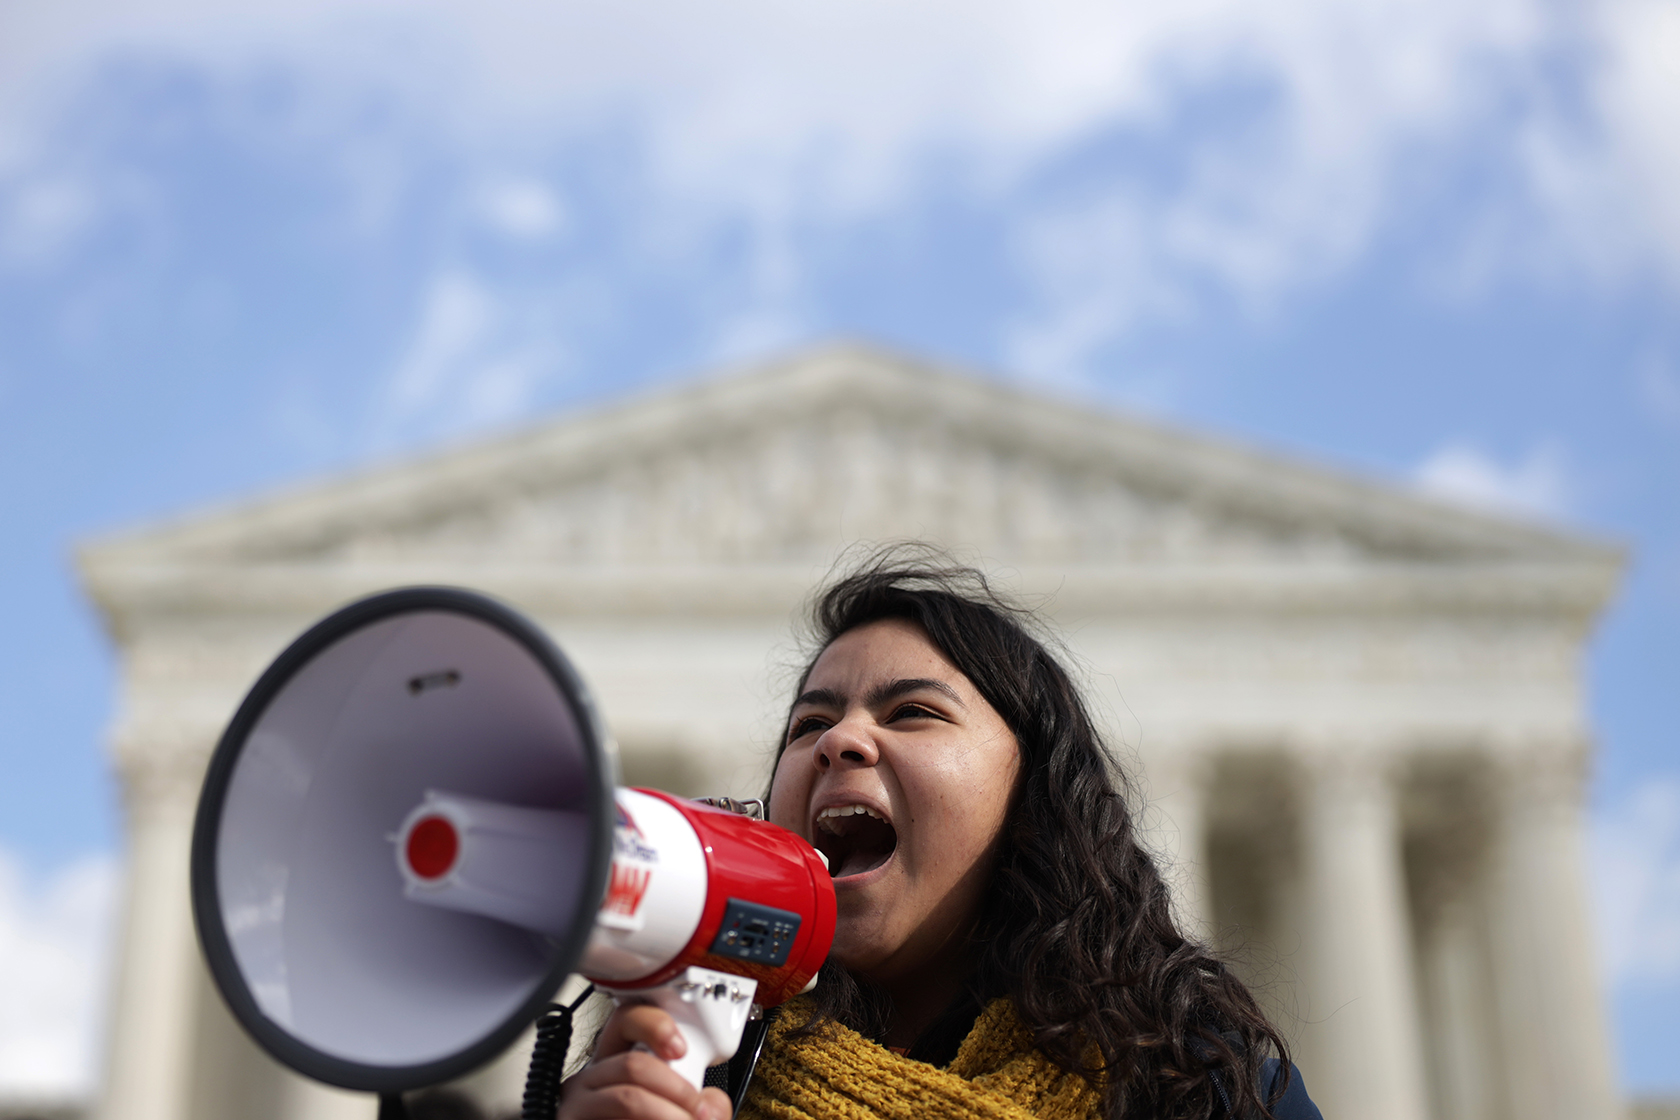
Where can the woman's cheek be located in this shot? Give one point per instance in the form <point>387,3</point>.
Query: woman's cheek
<point>785,798</point>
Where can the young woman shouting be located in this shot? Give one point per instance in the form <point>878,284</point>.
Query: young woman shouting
<point>1005,946</point>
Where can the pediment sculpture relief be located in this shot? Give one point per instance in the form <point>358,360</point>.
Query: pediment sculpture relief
<point>793,495</point>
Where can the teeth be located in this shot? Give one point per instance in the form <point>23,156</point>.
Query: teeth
<point>847,811</point>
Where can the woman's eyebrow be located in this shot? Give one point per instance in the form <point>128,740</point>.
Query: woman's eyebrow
<point>823,696</point>
<point>881,694</point>
<point>892,690</point>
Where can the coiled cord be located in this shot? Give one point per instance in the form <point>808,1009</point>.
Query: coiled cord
<point>548,1059</point>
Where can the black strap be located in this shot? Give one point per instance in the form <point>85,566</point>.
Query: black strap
<point>745,1061</point>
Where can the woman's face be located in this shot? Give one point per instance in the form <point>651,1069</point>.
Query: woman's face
<point>900,773</point>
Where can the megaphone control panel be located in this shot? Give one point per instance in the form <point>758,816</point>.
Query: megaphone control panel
<point>761,934</point>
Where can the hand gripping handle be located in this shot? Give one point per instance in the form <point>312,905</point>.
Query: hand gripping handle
<point>710,1009</point>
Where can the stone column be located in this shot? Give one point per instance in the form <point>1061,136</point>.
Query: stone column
<point>1458,1010</point>
<point>1552,1022</point>
<point>149,1042</point>
<point>1178,779</point>
<point>1360,1002</point>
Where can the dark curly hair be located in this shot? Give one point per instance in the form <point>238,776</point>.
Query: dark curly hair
<point>1077,927</point>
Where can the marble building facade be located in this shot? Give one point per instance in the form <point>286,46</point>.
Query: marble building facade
<point>1356,717</point>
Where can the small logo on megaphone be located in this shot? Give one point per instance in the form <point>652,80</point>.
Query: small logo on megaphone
<point>629,842</point>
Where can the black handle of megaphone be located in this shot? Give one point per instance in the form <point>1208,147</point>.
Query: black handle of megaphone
<point>391,1107</point>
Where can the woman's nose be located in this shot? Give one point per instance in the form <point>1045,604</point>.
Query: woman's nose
<point>845,745</point>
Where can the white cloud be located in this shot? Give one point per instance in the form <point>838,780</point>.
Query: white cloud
<point>771,116</point>
<point>1638,97</point>
<point>457,317</point>
<point>1100,267</point>
<point>53,977</point>
<point>43,216</point>
<point>1536,484</point>
<point>521,208</point>
<point>1637,877</point>
<point>478,356</point>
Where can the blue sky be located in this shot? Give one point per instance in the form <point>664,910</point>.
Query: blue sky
<point>1432,242</point>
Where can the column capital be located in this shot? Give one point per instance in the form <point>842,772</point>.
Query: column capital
<point>160,774</point>
<point>1540,768</point>
<point>1349,764</point>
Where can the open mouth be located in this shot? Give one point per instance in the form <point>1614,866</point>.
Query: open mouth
<point>854,839</point>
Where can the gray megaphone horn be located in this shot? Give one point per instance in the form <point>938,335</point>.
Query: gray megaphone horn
<point>410,834</point>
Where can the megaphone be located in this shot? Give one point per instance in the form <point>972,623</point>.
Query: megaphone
<point>410,834</point>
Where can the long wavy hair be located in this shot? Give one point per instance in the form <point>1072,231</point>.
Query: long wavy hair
<point>1077,927</point>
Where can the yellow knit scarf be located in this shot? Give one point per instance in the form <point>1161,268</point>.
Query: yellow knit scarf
<point>837,1074</point>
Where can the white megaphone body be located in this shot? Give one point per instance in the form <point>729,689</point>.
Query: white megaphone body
<point>410,834</point>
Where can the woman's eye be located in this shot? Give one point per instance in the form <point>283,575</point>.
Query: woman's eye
<point>911,711</point>
<point>805,726</point>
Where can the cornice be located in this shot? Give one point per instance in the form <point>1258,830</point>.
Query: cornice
<point>1570,594</point>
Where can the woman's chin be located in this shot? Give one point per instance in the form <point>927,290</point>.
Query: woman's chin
<point>867,904</point>
<point>861,951</point>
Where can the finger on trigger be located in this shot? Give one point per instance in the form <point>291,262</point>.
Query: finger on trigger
<point>654,1028</point>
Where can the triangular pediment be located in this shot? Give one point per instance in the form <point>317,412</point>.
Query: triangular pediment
<point>786,462</point>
